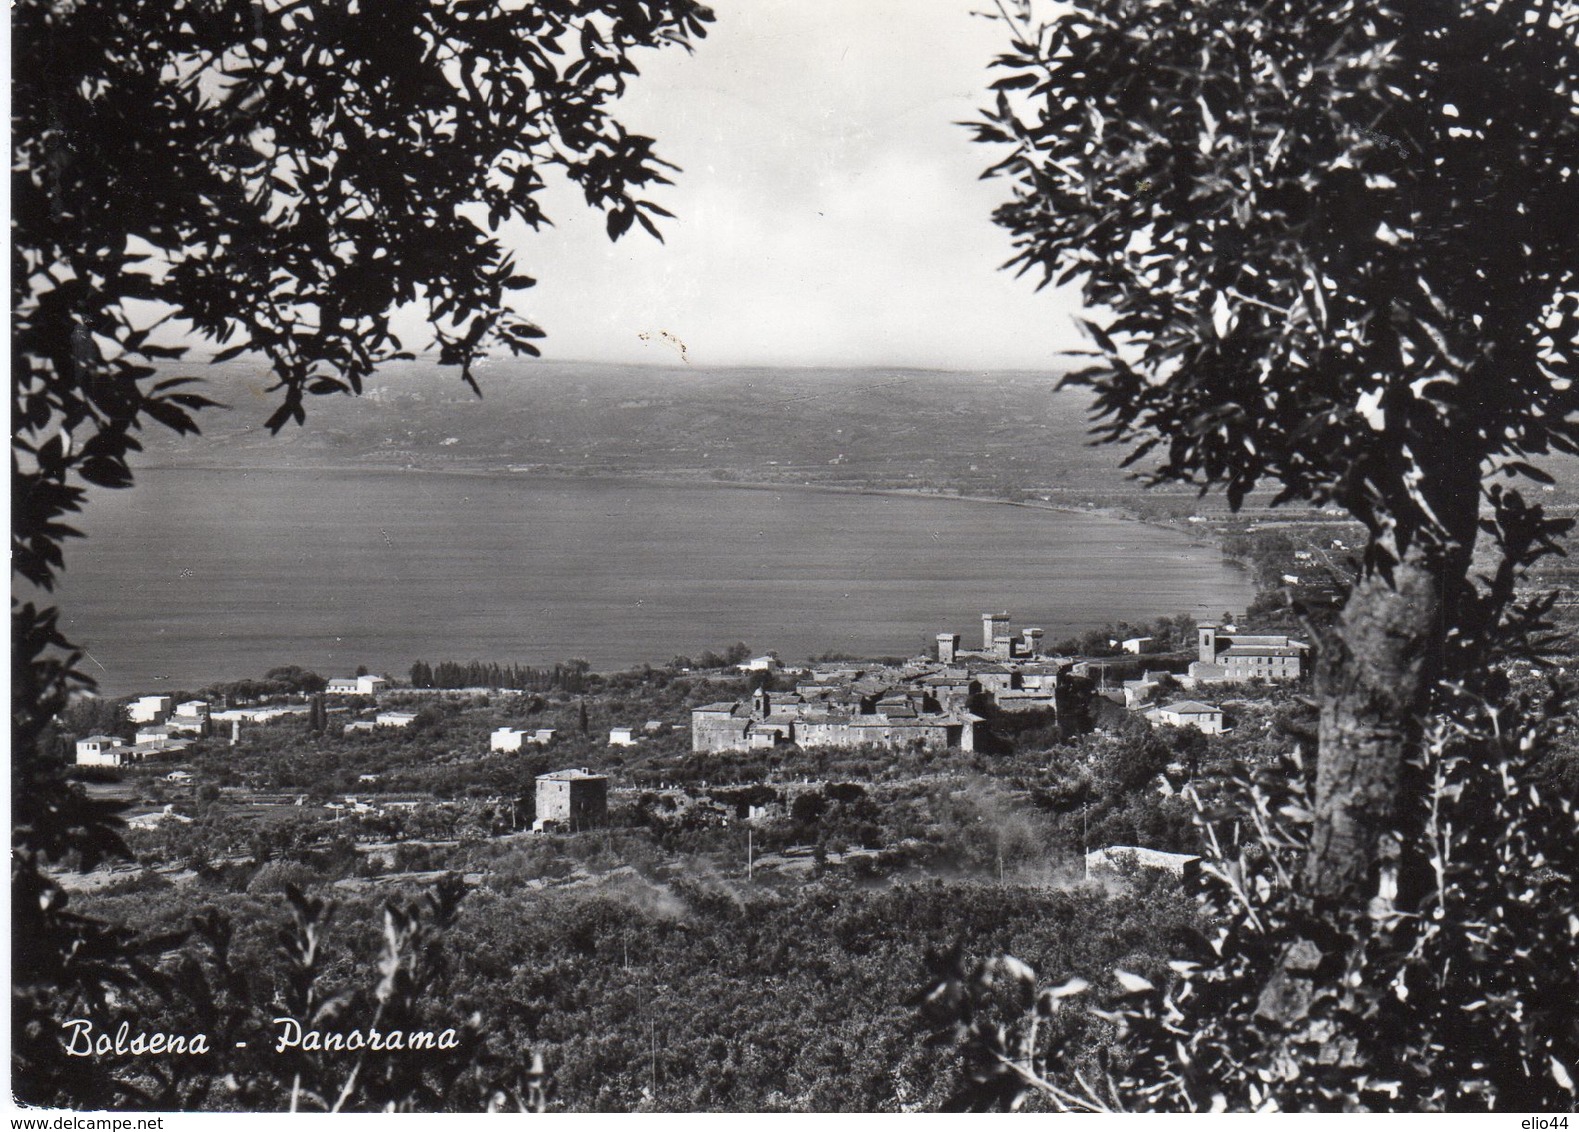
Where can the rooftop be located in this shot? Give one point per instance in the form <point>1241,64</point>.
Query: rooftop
<point>1190,707</point>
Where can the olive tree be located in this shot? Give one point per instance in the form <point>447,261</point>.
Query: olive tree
<point>1330,249</point>
<point>276,179</point>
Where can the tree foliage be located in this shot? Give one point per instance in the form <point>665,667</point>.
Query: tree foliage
<point>1453,989</point>
<point>1329,235</point>
<point>1331,243</point>
<point>280,179</point>
<point>277,180</point>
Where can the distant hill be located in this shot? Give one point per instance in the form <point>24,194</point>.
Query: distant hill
<point>1002,434</point>
<point>979,433</point>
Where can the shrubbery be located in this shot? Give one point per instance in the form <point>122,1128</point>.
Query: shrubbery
<point>1456,989</point>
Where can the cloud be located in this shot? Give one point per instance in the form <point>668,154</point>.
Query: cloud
<point>829,211</point>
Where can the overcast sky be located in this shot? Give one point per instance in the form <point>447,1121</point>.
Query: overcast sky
<point>829,212</point>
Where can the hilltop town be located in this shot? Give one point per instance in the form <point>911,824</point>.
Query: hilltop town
<point>971,699</point>
<point>933,704</point>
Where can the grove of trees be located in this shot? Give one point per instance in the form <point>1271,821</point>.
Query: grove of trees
<point>276,181</point>
<point>1328,247</point>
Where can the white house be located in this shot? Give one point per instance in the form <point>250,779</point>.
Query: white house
<point>622,737</point>
<point>1189,713</point>
<point>506,739</point>
<point>759,664</point>
<point>543,736</point>
<point>148,709</point>
<point>355,686</point>
<point>156,734</point>
<point>187,725</point>
<point>1132,645</point>
<point>101,750</point>
<point>395,718</point>
<point>190,717</point>
<point>1137,692</point>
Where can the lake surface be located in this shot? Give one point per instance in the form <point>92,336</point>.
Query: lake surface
<point>195,576</point>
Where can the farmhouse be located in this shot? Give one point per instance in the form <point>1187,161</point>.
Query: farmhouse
<point>356,686</point>
<point>101,750</point>
<point>190,718</point>
<point>576,799</point>
<point>506,739</point>
<point>258,714</point>
<point>154,734</point>
<point>158,817</point>
<point>1189,713</point>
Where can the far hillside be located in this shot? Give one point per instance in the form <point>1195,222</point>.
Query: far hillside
<point>1007,435</point>
<point>1001,434</point>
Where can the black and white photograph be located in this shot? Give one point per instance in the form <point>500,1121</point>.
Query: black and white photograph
<point>794,556</point>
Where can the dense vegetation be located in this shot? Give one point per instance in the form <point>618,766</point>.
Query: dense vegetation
<point>766,884</point>
<point>701,993</point>
<point>1293,298</point>
<point>791,891</point>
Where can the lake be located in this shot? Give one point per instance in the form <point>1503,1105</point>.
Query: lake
<point>195,575</point>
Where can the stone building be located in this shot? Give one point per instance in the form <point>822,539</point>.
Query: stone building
<point>998,642</point>
<point>1227,655</point>
<point>1122,859</point>
<point>574,799</point>
<point>896,718</point>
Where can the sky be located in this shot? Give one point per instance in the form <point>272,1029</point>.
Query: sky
<point>829,211</point>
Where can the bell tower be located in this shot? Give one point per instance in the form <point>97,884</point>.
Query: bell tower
<point>1207,632</point>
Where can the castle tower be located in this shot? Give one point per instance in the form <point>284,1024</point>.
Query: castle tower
<point>1033,642</point>
<point>1207,633</point>
<point>993,626</point>
<point>948,647</point>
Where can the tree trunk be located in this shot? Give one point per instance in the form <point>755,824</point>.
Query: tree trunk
<point>1373,683</point>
